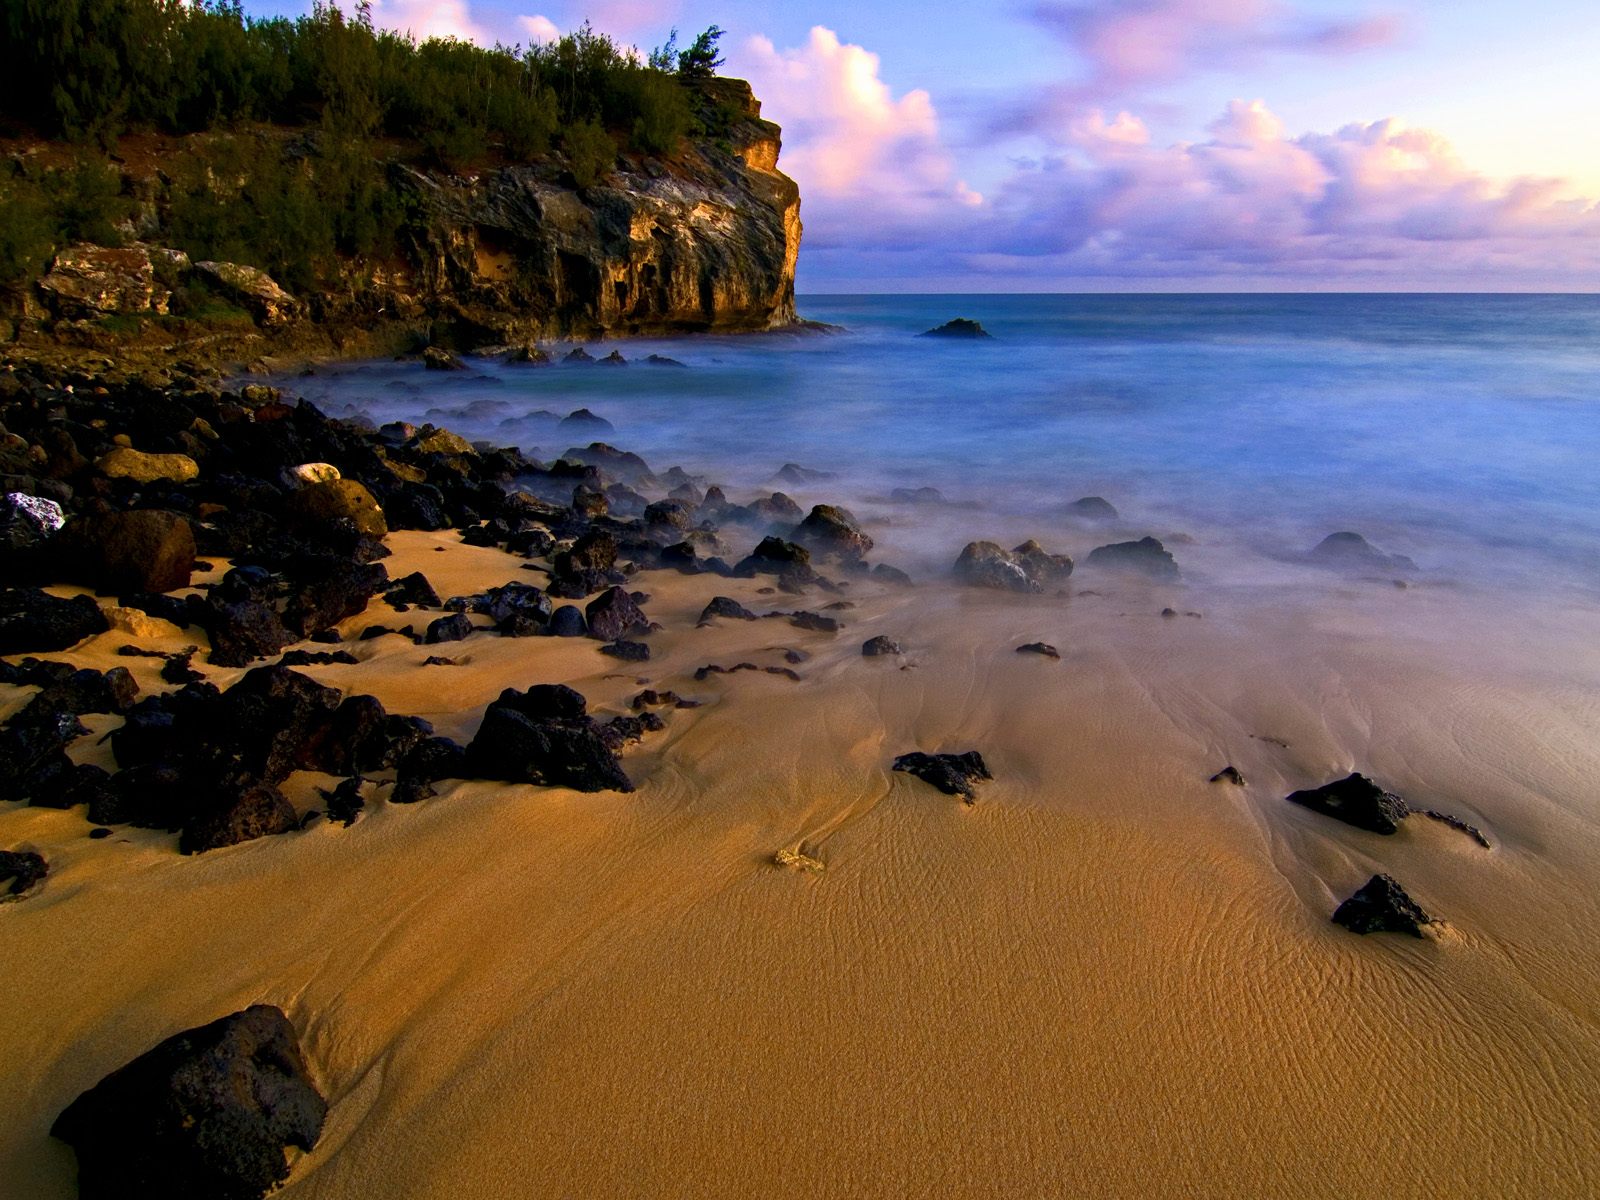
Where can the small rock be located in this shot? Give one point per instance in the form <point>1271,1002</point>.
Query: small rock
<point>727,607</point>
<point>1382,906</point>
<point>815,622</point>
<point>453,628</point>
<point>1093,508</point>
<point>961,328</point>
<point>311,472</point>
<point>880,645</point>
<point>23,868</point>
<point>1229,775</point>
<point>1044,648</point>
<point>139,467</point>
<point>627,651</point>
<point>1351,550</point>
<point>613,615</point>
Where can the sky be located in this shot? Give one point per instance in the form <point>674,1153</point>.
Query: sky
<point>1152,145</point>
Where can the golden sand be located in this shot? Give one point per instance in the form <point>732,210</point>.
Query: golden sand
<point>1108,977</point>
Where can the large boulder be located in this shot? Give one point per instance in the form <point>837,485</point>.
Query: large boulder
<point>1147,557</point>
<point>255,290</point>
<point>205,1115</point>
<point>1357,801</point>
<point>139,467</point>
<point>322,504</point>
<point>235,814</point>
<point>543,736</point>
<point>1027,568</point>
<point>613,615</point>
<point>834,530</point>
<point>142,550</point>
<point>1382,906</point>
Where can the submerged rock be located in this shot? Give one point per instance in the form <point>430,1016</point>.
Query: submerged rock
<point>1357,801</point>
<point>726,607</point>
<point>1093,508</point>
<point>1348,550</point>
<point>961,327</point>
<point>1147,556</point>
<point>205,1115</point>
<point>834,530</point>
<point>1382,906</point>
<point>952,774</point>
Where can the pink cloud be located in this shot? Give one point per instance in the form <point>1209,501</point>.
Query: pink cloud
<point>424,19</point>
<point>853,145</point>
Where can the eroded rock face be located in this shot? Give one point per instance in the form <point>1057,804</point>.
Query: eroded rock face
<point>255,290</point>
<point>95,281</point>
<point>206,1114</point>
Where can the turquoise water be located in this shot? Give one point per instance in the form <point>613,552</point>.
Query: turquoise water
<point>1463,431</point>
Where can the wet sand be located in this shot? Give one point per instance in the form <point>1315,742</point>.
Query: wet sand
<point>1107,977</point>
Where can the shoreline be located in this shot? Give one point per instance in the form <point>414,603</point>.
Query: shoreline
<point>511,987</point>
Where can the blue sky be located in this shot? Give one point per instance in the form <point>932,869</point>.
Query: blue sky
<point>1155,144</point>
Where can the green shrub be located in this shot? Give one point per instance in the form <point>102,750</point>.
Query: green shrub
<point>590,151</point>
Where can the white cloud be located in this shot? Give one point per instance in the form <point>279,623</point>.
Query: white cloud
<point>539,30</point>
<point>424,19</point>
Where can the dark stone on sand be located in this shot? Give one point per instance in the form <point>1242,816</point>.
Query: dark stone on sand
<point>1229,775</point>
<point>23,868</point>
<point>33,620</point>
<point>454,628</point>
<point>1147,556</point>
<point>510,745</point>
<point>627,651</point>
<point>362,736</point>
<point>619,731</point>
<point>344,803</point>
<point>1042,648</point>
<point>1460,826</point>
<point>587,566</point>
<point>1382,906</point>
<point>1352,551</point>
<point>243,631</point>
<point>567,621</point>
<point>887,574</point>
<point>311,658</point>
<point>237,815</point>
<point>952,774</point>
<point>412,589</point>
<point>727,607</point>
<point>1357,801</point>
<point>880,645</point>
<point>328,589</point>
<point>33,761</point>
<point>960,327</point>
<point>613,615</point>
<point>1093,508</point>
<point>776,508</point>
<point>205,1115</point>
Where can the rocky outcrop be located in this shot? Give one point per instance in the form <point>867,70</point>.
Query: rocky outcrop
<point>706,241</point>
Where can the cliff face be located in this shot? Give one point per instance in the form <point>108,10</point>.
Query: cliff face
<point>707,241</point>
<point>703,240</point>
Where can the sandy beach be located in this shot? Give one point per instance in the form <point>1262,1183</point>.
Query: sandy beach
<point>1109,976</point>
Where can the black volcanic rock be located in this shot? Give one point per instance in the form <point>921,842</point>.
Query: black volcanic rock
<point>1147,556</point>
<point>613,615</point>
<point>205,1115</point>
<point>23,868</point>
<point>568,621</point>
<point>627,651</point>
<point>234,814</point>
<point>960,328</point>
<point>145,550</point>
<point>1382,906</point>
<point>952,774</point>
<point>1357,801</point>
<point>453,628</point>
<point>517,748</point>
<point>32,620</point>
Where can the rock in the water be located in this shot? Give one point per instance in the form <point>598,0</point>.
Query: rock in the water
<point>583,419</point>
<point>126,463</point>
<point>1348,550</point>
<point>1382,906</point>
<point>32,620</point>
<point>1028,568</point>
<point>206,1115</point>
<point>613,615</point>
<point>1357,801</point>
<point>434,358</point>
<point>727,607</point>
<point>1041,648</point>
<point>143,550</point>
<point>1093,508</point>
<point>1229,775</point>
<point>23,868</point>
<point>1147,556</point>
<point>320,504</point>
<point>961,327</point>
<point>952,774</point>
<point>834,530</point>
<point>798,476</point>
<point>880,645</point>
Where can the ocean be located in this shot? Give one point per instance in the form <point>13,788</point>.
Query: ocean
<point>1462,431</point>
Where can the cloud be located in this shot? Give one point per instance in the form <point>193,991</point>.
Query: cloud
<point>864,158</point>
<point>1127,44</point>
<point>539,30</point>
<point>425,19</point>
<point>1372,204</point>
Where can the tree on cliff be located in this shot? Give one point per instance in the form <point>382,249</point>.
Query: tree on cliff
<point>701,59</point>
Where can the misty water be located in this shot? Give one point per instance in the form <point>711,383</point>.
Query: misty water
<point>1462,431</point>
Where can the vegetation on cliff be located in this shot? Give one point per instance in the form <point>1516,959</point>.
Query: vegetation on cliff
<point>296,124</point>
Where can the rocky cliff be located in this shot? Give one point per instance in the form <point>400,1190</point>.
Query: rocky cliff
<point>705,239</point>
